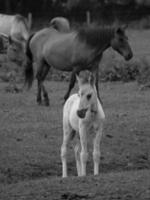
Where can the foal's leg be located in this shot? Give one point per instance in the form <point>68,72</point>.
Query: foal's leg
<point>83,153</point>
<point>66,137</point>
<point>96,148</point>
<point>77,150</point>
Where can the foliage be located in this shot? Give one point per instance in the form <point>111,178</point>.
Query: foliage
<point>144,72</point>
<point>107,10</point>
<point>119,70</point>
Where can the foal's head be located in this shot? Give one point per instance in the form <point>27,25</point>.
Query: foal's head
<point>120,43</point>
<point>87,94</point>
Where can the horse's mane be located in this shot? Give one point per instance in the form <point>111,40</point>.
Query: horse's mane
<point>94,36</point>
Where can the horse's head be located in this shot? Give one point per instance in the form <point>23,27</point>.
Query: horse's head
<point>120,43</point>
<point>16,49</point>
<point>87,94</point>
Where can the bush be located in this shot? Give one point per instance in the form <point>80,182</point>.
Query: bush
<point>144,72</point>
<point>120,71</point>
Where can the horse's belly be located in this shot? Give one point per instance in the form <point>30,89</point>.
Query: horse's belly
<point>59,61</point>
<point>59,54</point>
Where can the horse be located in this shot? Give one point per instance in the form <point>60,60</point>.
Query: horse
<point>60,23</point>
<point>74,51</point>
<point>83,116</point>
<point>16,29</point>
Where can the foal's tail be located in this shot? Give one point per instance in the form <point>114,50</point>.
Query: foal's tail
<point>28,71</point>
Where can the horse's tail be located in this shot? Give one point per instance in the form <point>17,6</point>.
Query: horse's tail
<point>28,71</point>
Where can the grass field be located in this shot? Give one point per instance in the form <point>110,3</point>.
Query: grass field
<point>31,136</point>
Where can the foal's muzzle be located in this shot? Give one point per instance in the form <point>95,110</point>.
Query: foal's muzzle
<point>81,113</point>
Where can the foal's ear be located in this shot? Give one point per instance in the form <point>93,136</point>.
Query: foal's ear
<point>92,79</point>
<point>78,80</point>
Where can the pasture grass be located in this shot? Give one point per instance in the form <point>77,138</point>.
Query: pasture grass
<point>31,136</point>
<point>125,186</point>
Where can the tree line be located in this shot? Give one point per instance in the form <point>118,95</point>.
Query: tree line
<point>75,9</point>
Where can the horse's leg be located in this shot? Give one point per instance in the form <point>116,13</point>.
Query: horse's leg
<point>71,83</point>
<point>46,68</point>
<point>41,74</point>
<point>96,147</point>
<point>39,97</point>
<point>96,71</point>
<point>83,153</point>
<point>66,137</point>
<point>77,150</point>
<point>39,81</point>
<point>45,95</point>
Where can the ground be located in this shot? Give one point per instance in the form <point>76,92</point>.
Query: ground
<point>31,136</point>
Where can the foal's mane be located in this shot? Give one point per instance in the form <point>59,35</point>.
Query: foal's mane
<point>86,77</point>
<point>96,36</point>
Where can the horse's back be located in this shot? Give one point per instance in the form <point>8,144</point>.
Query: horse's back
<point>14,25</point>
<point>59,50</point>
<point>20,26</point>
<point>39,40</point>
<point>6,22</point>
<point>54,47</point>
<point>70,112</point>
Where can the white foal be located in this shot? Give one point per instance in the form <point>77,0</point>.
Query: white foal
<point>82,113</point>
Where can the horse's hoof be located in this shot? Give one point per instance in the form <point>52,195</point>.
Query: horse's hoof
<point>65,98</point>
<point>39,103</point>
<point>47,103</point>
<point>63,103</point>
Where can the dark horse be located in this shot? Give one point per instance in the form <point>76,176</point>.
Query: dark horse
<point>74,51</point>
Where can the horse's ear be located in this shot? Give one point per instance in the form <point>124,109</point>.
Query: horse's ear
<point>10,39</point>
<point>119,31</point>
<point>124,27</point>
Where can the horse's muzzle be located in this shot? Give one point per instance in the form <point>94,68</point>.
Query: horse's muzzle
<point>81,113</point>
